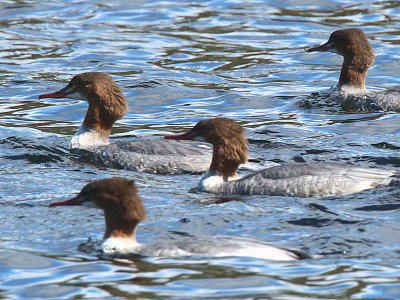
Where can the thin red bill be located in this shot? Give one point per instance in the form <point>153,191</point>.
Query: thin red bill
<point>324,47</point>
<point>74,201</point>
<point>184,136</point>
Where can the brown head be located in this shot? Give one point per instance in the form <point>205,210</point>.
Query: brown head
<point>106,100</point>
<point>357,52</point>
<point>118,197</point>
<point>228,140</point>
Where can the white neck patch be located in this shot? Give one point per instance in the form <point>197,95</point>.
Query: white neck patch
<point>211,182</point>
<point>87,138</point>
<point>351,90</point>
<point>115,245</point>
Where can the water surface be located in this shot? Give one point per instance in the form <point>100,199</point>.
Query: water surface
<point>179,62</point>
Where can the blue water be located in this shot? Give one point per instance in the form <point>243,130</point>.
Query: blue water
<point>179,62</point>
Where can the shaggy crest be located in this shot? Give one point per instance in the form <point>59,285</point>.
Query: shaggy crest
<point>358,55</point>
<point>357,52</point>
<point>106,101</point>
<point>229,143</point>
<point>122,205</point>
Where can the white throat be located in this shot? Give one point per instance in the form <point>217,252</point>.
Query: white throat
<point>352,90</point>
<point>87,138</point>
<point>214,183</point>
<point>119,245</point>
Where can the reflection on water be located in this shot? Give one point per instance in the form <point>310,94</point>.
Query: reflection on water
<point>178,63</point>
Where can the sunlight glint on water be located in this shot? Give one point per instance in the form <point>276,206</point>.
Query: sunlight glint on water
<point>179,62</point>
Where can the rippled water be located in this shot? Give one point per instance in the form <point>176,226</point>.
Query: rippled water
<point>179,62</point>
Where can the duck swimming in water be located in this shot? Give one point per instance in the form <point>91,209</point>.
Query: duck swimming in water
<point>123,210</point>
<point>358,56</point>
<point>107,104</point>
<point>301,180</point>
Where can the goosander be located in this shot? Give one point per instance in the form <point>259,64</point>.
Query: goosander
<point>358,56</point>
<point>107,104</point>
<point>230,149</point>
<point>123,210</point>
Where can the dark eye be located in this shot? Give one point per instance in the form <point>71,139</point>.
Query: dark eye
<point>200,126</point>
<point>200,129</point>
<point>87,190</point>
<point>84,193</point>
